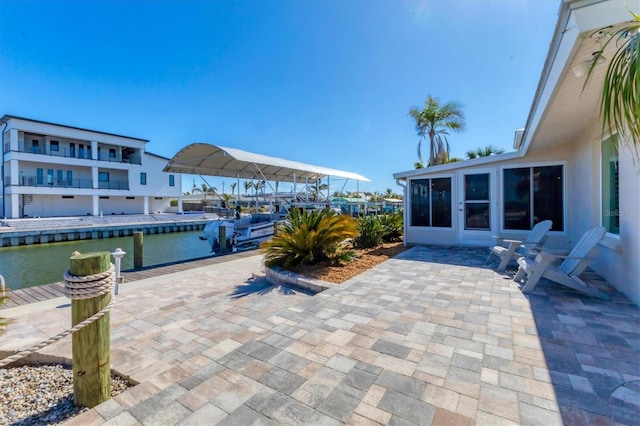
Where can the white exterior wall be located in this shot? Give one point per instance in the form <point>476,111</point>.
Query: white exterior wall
<point>618,256</point>
<point>55,205</point>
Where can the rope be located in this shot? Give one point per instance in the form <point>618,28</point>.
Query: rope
<point>76,288</point>
<point>88,286</point>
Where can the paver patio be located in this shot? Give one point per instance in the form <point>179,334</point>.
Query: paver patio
<point>432,336</point>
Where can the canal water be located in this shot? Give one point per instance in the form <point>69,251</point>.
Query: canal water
<point>33,265</point>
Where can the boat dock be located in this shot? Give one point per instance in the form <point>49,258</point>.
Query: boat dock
<point>50,291</point>
<point>17,232</point>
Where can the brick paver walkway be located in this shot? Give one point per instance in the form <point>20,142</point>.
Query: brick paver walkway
<point>430,337</point>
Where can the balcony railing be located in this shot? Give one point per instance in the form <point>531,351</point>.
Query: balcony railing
<point>114,184</point>
<point>73,153</point>
<point>46,182</point>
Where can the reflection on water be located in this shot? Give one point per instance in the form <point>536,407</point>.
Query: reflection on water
<point>28,266</point>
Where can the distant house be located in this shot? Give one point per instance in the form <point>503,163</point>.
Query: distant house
<point>562,168</point>
<point>55,170</point>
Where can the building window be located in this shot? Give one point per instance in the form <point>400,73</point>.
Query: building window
<point>533,194</point>
<point>69,177</point>
<point>112,153</point>
<point>59,177</point>
<point>103,176</point>
<point>67,197</point>
<point>431,202</point>
<point>72,150</point>
<point>610,187</point>
<point>55,146</point>
<point>40,177</point>
<point>172,180</point>
<point>80,151</point>
<point>143,178</point>
<point>131,198</point>
<point>50,176</point>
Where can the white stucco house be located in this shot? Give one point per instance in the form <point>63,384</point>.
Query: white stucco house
<point>562,169</point>
<point>51,169</point>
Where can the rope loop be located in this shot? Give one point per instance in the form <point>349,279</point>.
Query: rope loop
<point>88,286</point>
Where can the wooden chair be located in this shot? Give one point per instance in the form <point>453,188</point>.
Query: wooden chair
<point>567,273</point>
<point>518,248</point>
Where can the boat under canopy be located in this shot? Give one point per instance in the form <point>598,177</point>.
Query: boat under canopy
<point>215,160</point>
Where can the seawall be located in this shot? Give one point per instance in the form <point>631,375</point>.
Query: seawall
<point>27,236</point>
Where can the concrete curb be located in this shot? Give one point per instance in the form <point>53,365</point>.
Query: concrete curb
<point>276,275</point>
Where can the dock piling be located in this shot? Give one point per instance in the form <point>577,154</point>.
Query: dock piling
<point>137,249</point>
<point>91,345</point>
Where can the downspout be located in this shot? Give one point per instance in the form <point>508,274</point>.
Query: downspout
<point>4,199</point>
<point>405,212</point>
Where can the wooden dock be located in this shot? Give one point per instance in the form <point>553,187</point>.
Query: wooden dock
<point>51,291</point>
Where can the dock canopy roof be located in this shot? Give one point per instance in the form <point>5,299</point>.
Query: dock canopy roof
<point>213,160</point>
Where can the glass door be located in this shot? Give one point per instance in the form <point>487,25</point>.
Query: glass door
<point>476,206</point>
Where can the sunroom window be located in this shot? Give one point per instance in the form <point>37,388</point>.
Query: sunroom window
<point>431,202</point>
<point>610,190</point>
<point>533,194</point>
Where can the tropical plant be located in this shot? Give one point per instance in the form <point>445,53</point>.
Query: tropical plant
<point>247,186</point>
<point>233,189</point>
<point>620,101</point>
<point>370,230</point>
<point>483,152</point>
<point>435,121</point>
<point>309,237</point>
<point>418,165</point>
<point>392,227</point>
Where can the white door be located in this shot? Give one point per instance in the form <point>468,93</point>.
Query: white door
<point>477,207</point>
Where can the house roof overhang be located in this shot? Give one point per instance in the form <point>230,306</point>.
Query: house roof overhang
<point>214,160</point>
<point>444,168</point>
<point>563,107</point>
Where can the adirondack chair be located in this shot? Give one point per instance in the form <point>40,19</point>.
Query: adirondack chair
<point>518,248</point>
<point>567,273</point>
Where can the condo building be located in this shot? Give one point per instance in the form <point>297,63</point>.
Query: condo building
<point>51,170</point>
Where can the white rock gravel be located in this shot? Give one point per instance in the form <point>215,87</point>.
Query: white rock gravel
<point>41,394</point>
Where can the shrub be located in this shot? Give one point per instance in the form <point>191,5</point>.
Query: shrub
<point>371,231</point>
<point>310,237</point>
<point>392,227</point>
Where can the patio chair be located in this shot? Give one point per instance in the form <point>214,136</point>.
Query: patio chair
<point>567,273</point>
<point>518,248</point>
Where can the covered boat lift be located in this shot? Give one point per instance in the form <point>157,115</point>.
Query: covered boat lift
<point>214,160</point>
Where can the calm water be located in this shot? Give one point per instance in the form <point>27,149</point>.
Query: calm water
<point>28,266</point>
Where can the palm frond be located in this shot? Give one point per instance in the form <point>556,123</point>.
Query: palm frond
<point>620,101</point>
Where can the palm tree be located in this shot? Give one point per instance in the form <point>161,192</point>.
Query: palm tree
<point>247,185</point>
<point>435,121</point>
<point>233,189</point>
<point>483,152</point>
<point>620,102</point>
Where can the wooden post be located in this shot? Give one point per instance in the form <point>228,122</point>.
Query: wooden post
<point>91,344</point>
<point>137,249</point>
<point>222,238</point>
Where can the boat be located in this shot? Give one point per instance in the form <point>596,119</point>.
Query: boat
<point>249,231</point>
<point>240,233</point>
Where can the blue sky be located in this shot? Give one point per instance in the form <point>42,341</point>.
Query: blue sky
<point>326,82</point>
